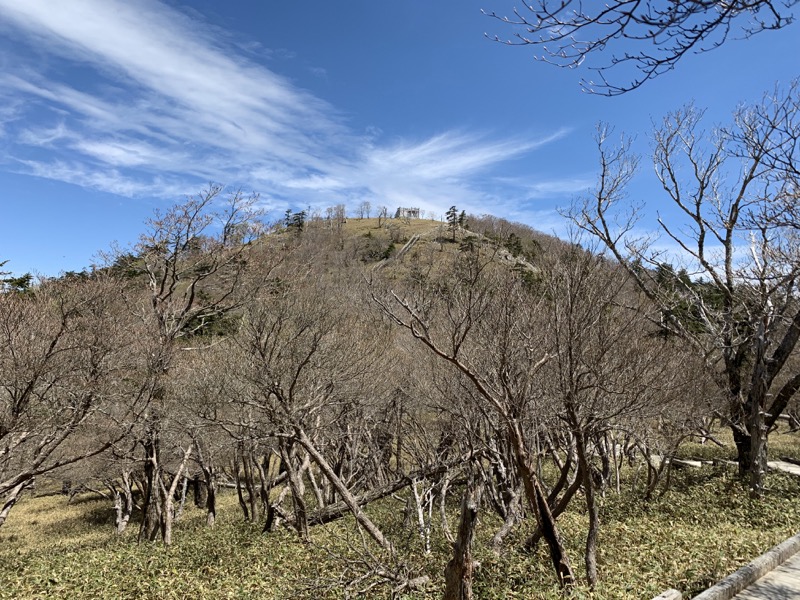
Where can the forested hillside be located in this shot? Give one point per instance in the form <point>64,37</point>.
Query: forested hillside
<point>382,399</point>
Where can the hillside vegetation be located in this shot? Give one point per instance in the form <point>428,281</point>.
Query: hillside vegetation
<point>381,407</point>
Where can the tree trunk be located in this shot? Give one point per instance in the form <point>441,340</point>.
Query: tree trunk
<point>151,505</point>
<point>458,572</point>
<point>199,491</point>
<point>211,504</point>
<point>513,516</point>
<point>755,424</point>
<point>167,516</point>
<point>298,489</point>
<point>237,475</point>
<point>399,465</point>
<point>265,481</point>
<point>168,511</point>
<point>758,452</point>
<point>743,441</point>
<point>250,485</point>
<point>590,558</point>
<point>274,512</point>
<point>344,492</point>
<point>182,503</point>
<point>318,495</point>
<point>123,503</point>
<point>565,468</point>
<point>421,501</point>
<point>591,538</point>
<point>556,511</point>
<point>12,497</point>
<point>538,503</point>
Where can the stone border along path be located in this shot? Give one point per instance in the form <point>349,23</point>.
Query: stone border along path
<point>783,582</point>
<point>749,574</point>
<point>775,575</point>
<point>784,466</point>
<point>777,465</point>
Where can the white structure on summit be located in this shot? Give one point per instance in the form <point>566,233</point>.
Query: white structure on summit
<point>407,213</point>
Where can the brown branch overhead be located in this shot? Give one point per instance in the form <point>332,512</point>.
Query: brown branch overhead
<point>654,35</point>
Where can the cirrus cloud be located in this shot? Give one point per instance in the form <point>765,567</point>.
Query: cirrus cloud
<point>142,99</point>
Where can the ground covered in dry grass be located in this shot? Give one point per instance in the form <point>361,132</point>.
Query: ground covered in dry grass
<point>700,530</point>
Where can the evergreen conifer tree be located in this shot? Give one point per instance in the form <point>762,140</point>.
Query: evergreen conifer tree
<point>452,220</point>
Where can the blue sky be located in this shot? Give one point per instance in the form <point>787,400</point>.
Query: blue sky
<point>110,109</point>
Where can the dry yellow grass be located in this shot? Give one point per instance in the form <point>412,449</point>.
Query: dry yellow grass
<point>48,521</point>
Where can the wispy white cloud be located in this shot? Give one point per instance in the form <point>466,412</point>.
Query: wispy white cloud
<point>550,188</point>
<point>173,103</point>
<point>9,112</point>
<point>108,180</point>
<point>43,136</point>
<point>431,173</point>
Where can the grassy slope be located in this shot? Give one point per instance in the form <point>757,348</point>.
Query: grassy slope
<point>699,531</point>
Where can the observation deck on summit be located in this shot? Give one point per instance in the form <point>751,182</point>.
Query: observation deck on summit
<point>406,213</point>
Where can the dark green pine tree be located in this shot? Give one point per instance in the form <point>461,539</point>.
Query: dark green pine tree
<point>299,220</point>
<point>452,221</point>
<point>514,245</point>
<point>17,284</point>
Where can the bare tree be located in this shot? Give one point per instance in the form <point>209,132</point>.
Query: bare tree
<point>193,257</point>
<point>200,383</point>
<point>383,214</point>
<point>306,355</point>
<point>340,215</point>
<point>63,388</point>
<point>483,322</point>
<point>659,34</point>
<point>735,301</point>
<point>608,370</point>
